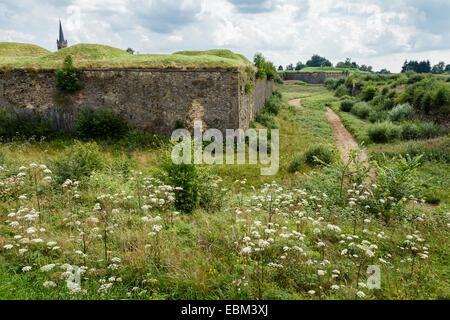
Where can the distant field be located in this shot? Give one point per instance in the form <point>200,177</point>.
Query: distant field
<point>24,56</point>
<point>327,69</point>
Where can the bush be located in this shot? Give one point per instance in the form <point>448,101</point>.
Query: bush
<point>248,88</point>
<point>430,129</point>
<point>267,120</point>
<point>362,110</point>
<point>368,93</point>
<point>401,112</point>
<point>66,77</point>
<point>441,97</point>
<point>136,139</point>
<point>330,84</point>
<point>378,116</point>
<point>78,161</point>
<point>341,90</point>
<point>297,162</point>
<point>103,124</point>
<point>384,132</point>
<point>24,126</point>
<point>277,93</point>
<point>320,151</point>
<point>273,105</point>
<point>347,105</point>
<point>184,176</point>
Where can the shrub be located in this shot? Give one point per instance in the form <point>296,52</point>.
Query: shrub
<point>347,105</point>
<point>430,129</point>
<point>322,152</point>
<point>401,112</point>
<point>378,116</point>
<point>341,90</point>
<point>362,110</point>
<point>248,88</point>
<point>426,102</point>
<point>103,124</point>
<point>78,161</point>
<point>330,84</point>
<point>277,93</point>
<point>184,176</point>
<point>136,139</point>
<point>410,131</point>
<point>273,105</point>
<point>66,77</point>
<point>266,120</point>
<point>441,97</point>
<point>297,162</point>
<point>24,126</point>
<point>384,132</point>
<point>368,93</point>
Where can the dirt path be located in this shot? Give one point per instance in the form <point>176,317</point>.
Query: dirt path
<point>296,103</point>
<point>343,138</point>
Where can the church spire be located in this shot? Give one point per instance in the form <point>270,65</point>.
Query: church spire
<point>61,42</point>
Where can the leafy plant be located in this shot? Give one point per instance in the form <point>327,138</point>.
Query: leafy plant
<point>103,124</point>
<point>66,77</point>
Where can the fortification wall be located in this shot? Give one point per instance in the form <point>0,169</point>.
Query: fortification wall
<point>313,77</point>
<point>153,100</point>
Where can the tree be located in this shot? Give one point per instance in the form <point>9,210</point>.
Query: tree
<point>290,67</point>
<point>280,68</point>
<point>266,69</point>
<point>419,67</point>
<point>447,68</point>
<point>384,71</point>
<point>299,66</point>
<point>130,51</point>
<point>318,61</point>
<point>438,68</point>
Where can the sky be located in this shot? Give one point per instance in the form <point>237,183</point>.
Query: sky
<point>381,33</point>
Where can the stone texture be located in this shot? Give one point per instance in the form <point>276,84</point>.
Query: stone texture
<point>152,100</point>
<point>312,77</point>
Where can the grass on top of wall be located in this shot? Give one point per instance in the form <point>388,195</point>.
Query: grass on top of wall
<point>100,56</point>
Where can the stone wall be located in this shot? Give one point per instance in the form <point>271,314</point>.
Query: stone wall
<point>152,100</point>
<point>312,77</point>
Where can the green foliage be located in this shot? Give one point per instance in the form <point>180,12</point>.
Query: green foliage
<point>384,132</point>
<point>396,182</point>
<point>273,105</point>
<point>248,88</point>
<point>368,93</point>
<point>441,97</point>
<point>319,154</point>
<point>24,126</point>
<point>137,139</point>
<point>362,110</point>
<point>186,178</point>
<point>103,124</point>
<point>66,77</point>
<point>267,120</point>
<point>341,90</point>
<point>347,105</point>
<point>318,61</point>
<point>421,130</point>
<point>297,162</point>
<point>401,112</point>
<point>266,69</point>
<point>78,161</point>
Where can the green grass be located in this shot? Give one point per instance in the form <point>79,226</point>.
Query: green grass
<point>101,56</point>
<point>12,49</point>
<point>199,256</point>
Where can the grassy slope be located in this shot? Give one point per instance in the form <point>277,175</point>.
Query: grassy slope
<point>100,56</point>
<point>199,250</point>
<point>12,49</point>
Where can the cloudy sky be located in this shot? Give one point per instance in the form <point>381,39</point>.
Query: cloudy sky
<point>382,33</point>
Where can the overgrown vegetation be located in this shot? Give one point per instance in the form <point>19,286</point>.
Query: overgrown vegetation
<point>66,76</point>
<point>309,234</point>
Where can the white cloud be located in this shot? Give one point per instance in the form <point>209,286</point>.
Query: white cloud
<point>378,32</point>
